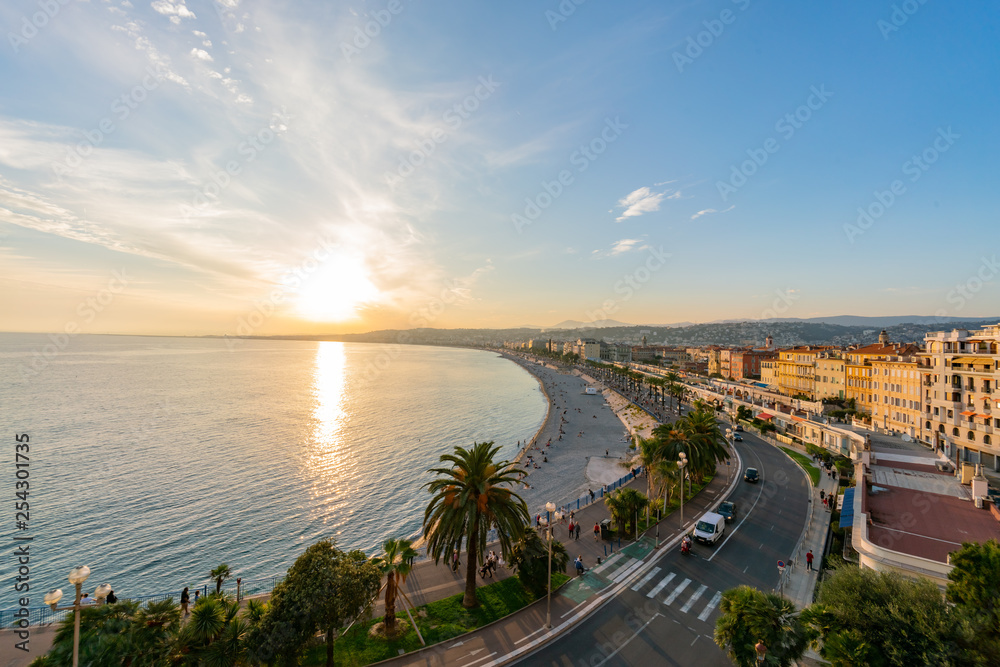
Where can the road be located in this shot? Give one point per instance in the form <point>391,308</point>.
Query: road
<point>667,617</point>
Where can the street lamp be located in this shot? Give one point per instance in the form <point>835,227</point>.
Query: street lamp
<point>682,462</point>
<point>550,508</point>
<point>77,576</point>
<point>761,651</point>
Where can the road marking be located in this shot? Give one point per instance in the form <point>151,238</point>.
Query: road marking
<point>761,546</point>
<point>694,640</point>
<point>614,559</point>
<point>694,598</point>
<point>526,637</point>
<point>745,569</point>
<point>746,516</point>
<point>677,591</point>
<point>660,586</point>
<point>469,664</point>
<point>630,567</point>
<point>645,580</point>
<point>626,642</point>
<point>707,611</point>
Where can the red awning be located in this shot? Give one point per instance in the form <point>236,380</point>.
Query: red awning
<point>798,419</point>
<point>968,413</point>
<point>765,416</point>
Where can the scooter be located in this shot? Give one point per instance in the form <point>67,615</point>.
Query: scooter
<point>686,547</point>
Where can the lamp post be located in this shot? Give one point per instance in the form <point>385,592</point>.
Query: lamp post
<point>682,462</point>
<point>732,449</point>
<point>77,576</point>
<point>761,651</point>
<point>550,508</point>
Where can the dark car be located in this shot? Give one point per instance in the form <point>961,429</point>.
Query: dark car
<point>737,437</point>
<point>751,475</point>
<point>728,510</point>
<point>739,427</point>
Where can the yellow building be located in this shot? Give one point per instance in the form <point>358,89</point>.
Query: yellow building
<point>868,388</point>
<point>831,376</point>
<point>769,372</point>
<point>961,384</point>
<point>896,402</point>
<point>797,369</point>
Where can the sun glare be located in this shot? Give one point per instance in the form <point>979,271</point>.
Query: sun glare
<point>335,291</point>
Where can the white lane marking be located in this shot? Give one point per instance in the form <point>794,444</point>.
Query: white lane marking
<point>694,598</point>
<point>707,611</point>
<point>747,567</point>
<point>626,642</point>
<point>645,580</point>
<point>603,566</point>
<point>629,568</point>
<point>746,516</point>
<point>526,637</point>
<point>677,591</point>
<point>660,586</point>
<point>469,664</point>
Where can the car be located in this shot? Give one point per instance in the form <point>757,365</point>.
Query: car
<point>728,510</point>
<point>751,475</point>
<point>709,528</point>
<point>739,427</point>
<point>737,437</point>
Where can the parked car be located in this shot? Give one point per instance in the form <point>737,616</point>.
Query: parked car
<point>728,510</point>
<point>751,475</point>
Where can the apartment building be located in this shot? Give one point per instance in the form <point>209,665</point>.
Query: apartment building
<point>797,369</point>
<point>864,385</point>
<point>713,353</point>
<point>831,376</point>
<point>896,405</point>
<point>746,364</point>
<point>961,405</point>
<point>769,372</point>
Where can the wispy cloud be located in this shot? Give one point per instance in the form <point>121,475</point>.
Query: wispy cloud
<point>642,201</point>
<point>711,210</point>
<point>620,247</point>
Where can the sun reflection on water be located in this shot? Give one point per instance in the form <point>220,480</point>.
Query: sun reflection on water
<point>327,452</point>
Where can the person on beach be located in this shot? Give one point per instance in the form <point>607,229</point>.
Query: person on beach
<point>185,600</point>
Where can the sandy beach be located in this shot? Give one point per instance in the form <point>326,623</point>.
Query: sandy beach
<point>584,441</point>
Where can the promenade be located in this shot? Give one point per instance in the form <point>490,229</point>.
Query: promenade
<point>604,438</point>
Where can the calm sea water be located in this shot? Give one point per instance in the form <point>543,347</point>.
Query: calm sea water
<point>155,459</point>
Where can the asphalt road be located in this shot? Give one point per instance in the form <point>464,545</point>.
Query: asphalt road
<point>668,616</point>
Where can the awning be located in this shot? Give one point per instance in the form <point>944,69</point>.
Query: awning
<point>847,508</point>
<point>798,419</point>
<point>968,413</point>
<point>764,416</point>
<point>970,360</point>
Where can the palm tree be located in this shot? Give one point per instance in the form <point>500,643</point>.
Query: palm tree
<point>395,564</point>
<point>220,574</point>
<point>749,616</point>
<point>706,443</point>
<point>530,557</point>
<point>471,497</point>
<point>671,379</point>
<point>625,505</point>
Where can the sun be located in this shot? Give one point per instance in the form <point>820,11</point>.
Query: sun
<point>336,290</point>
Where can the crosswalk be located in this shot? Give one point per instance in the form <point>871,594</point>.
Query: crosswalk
<point>671,589</point>
<point>681,593</point>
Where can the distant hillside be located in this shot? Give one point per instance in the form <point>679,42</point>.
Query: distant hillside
<point>784,332</point>
<point>858,321</point>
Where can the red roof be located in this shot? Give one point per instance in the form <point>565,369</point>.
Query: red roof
<point>765,416</point>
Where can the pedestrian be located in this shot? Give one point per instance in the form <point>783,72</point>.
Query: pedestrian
<point>579,565</point>
<point>570,528</point>
<point>196,594</point>
<point>809,560</point>
<point>597,532</point>
<point>577,531</point>
<point>111,598</point>
<point>822,494</point>
<point>454,560</point>
<point>185,600</point>
<point>538,520</point>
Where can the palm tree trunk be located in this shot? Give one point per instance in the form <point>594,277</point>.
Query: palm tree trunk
<point>470,600</point>
<point>390,605</point>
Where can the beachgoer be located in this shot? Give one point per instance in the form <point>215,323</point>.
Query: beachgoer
<point>185,600</point>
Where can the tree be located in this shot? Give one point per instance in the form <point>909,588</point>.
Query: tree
<point>886,618</point>
<point>706,443</point>
<point>395,564</point>
<point>670,379</point>
<point>743,412</point>
<point>215,634</point>
<point>974,589</point>
<point>325,589</point>
<point>468,499</point>
<point>748,616</point>
<point>530,557</point>
<point>220,574</point>
<point>625,505</point>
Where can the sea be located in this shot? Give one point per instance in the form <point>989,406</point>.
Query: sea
<point>152,460</point>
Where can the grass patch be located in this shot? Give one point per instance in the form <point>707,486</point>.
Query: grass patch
<point>445,620</point>
<point>806,464</point>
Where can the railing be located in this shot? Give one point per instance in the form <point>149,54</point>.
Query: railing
<point>44,615</point>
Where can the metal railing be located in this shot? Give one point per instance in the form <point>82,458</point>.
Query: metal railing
<point>45,615</point>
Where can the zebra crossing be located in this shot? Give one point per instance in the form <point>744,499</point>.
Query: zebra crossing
<point>681,593</point>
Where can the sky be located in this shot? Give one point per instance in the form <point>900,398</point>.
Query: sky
<point>251,167</point>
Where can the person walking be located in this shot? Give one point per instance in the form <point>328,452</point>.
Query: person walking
<point>579,565</point>
<point>809,560</point>
<point>454,560</point>
<point>571,526</point>
<point>185,601</point>
<point>577,531</point>
<point>597,532</point>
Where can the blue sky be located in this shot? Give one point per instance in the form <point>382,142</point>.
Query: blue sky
<point>264,167</point>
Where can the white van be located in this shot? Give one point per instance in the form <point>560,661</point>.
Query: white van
<point>710,528</point>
